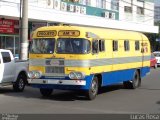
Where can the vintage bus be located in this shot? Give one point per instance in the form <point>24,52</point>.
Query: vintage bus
<point>87,58</point>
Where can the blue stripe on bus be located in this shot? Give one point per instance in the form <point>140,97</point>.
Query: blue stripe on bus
<point>108,78</point>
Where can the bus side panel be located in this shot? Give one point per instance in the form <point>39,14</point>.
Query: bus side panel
<point>108,78</point>
<point>117,76</point>
<point>122,75</point>
<point>144,71</point>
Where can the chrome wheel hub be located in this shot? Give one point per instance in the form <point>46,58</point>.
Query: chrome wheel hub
<point>94,87</point>
<point>21,83</point>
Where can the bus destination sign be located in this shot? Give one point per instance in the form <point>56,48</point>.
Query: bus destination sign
<point>46,33</point>
<point>74,33</point>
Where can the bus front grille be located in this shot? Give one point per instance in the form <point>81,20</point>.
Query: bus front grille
<point>54,69</point>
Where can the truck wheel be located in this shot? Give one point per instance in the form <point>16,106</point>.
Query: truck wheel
<point>20,83</point>
<point>133,84</point>
<point>92,92</point>
<point>46,92</point>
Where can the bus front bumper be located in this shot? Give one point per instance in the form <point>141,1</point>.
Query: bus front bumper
<point>57,82</point>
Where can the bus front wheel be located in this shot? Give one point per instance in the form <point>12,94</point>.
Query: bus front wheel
<point>93,91</point>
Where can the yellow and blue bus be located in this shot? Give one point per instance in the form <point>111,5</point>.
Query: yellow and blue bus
<point>87,58</point>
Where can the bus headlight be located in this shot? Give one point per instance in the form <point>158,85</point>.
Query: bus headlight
<point>77,75</point>
<point>38,74</point>
<point>31,74</point>
<point>34,74</point>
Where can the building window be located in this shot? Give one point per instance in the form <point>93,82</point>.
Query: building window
<point>128,9</point>
<point>82,2</point>
<point>88,2</point>
<point>115,5</point>
<point>11,43</point>
<point>126,45</point>
<point>140,10</point>
<point>136,45</point>
<point>104,4</point>
<point>85,2</point>
<point>99,3</point>
<point>115,45</point>
<point>112,16</point>
<point>140,0</point>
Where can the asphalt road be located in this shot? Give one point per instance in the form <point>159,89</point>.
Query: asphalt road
<point>111,99</point>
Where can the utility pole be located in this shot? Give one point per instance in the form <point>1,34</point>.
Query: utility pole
<point>24,28</point>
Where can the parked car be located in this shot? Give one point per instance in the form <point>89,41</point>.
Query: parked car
<point>12,71</point>
<point>157,55</point>
<point>153,61</point>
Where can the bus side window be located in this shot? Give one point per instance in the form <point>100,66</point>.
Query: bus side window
<point>126,45</point>
<point>101,45</point>
<point>95,47</point>
<point>115,45</point>
<point>137,45</point>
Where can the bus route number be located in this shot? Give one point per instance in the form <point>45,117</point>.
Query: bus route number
<point>46,33</point>
<point>69,33</point>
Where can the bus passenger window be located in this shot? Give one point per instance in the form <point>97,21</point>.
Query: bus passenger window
<point>101,45</point>
<point>115,45</point>
<point>137,45</point>
<point>126,45</point>
<point>95,46</point>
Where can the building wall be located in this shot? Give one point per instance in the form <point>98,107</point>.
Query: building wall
<point>157,10</point>
<point>157,13</point>
<point>88,13</point>
<point>98,13</point>
<point>102,7</point>
<point>147,17</point>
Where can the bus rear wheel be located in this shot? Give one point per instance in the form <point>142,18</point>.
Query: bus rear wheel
<point>46,92</point>
<point>93,91</point>
<point>135,83</point>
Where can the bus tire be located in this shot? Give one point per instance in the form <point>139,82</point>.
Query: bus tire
<point>127,84</point>
<point>20,83</point>
<point>46,92</point>
<point>135,83</point>
<point>93,91</point>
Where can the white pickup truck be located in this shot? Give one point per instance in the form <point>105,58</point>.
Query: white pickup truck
<point>12,71</point>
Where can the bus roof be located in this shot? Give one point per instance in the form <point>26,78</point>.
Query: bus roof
<point>101,32</point>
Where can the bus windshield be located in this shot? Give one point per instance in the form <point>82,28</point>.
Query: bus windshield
<point>72,46</point>
<point>42,46</point>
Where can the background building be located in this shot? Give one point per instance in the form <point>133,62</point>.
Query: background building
<point>135,15</point>
<point>157,10</point>
<point>157,2</point>
<point>137,11</point>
